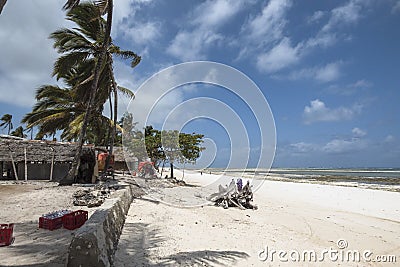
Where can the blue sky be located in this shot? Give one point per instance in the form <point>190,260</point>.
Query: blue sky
<point>329,69</point>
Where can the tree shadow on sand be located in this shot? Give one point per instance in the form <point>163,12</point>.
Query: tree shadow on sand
<point>140,244</point>
<point>36,247</point>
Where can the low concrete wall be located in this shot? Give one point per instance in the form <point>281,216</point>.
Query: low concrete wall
<point>95,242</point>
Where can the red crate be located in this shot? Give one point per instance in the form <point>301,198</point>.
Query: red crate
<point>75,219</point>
<point>50,224</point>
<point>6,234</point>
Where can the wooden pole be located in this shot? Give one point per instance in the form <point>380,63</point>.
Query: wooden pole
<point>52,165</point>
<point>13,164</point>
<point>26,165</point>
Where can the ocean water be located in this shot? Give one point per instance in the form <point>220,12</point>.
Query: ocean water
<point>372,178</point>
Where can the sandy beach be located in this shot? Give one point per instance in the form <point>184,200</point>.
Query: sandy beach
<point>296,224</point>
<point>22,203</point>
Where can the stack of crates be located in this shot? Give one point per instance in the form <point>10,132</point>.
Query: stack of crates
<point>69,219</point>
<point>53,220</point>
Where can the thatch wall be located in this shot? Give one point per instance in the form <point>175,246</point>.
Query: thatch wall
<point>36,150</point>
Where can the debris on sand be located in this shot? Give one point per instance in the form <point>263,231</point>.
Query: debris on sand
<point>93,197</point>
<point>234,196</point>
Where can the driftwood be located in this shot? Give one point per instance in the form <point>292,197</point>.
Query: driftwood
<point>234,196</point>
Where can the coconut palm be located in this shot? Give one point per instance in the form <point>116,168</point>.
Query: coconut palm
<point>91,44</point>
<point>6,122</point>
<point>19,132</point>
<point>61,109</point>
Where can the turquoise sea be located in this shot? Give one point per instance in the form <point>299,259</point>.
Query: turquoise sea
<point>373,178</point>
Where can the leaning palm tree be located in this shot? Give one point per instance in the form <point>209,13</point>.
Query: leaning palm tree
<point>6,122</point>
<point>73,46</point>
<point>107,6</point>
<point>62,109</point>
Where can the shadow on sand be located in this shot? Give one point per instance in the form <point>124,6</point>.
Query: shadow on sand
<point>141,244</point>
<point>36,247</point>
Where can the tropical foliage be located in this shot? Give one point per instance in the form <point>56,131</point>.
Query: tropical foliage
<point>6,122</point>
<point>19,132</point>
<point>160,146</point>
<point>63,109</point>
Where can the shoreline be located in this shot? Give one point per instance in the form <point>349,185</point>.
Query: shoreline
<point>390,184</point>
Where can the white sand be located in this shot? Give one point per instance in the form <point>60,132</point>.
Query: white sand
<point>291,216</point>
<point>23,204</point>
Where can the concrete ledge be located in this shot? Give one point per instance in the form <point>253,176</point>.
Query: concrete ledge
<point>95,242</point>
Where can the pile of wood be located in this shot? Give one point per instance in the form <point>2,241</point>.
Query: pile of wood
<point>234,195</point>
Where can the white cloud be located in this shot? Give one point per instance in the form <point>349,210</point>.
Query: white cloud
<point>140,33</point>
<point>268,26</point>
<point>346,14</point>
<point>318,15</point>
<point>357,132</point>
<point>319,112</point>
<point>192,44</point>
<point>279,57</point>
<point>328,73</point>
<point>302,147</point>
<point>396,7</point>
<point>349,89</point>
<point>126,25</point>
<point>390,138</point>
<point>343,146</point>
<point>215,13</point>
<point>27,54</point>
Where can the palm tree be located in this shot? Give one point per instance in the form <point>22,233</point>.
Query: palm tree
<point>62,109</point>
<point>100,61</point>
<point>19,132</point>
<point>6,122</point>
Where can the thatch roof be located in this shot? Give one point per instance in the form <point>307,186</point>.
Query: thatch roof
<point>36,150</point>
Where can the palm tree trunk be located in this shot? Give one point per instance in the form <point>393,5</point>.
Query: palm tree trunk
<point>69,179</point>
<point>114,128</point>
<point>2,3</point>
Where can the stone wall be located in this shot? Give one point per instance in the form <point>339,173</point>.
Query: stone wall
<point>94,244</point>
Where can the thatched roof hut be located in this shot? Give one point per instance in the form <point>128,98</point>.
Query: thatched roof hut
<point>37,150</point>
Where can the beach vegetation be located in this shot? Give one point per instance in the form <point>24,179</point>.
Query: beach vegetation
<point>19,132</point>
<point>6,122</point>
<point>85,66</point>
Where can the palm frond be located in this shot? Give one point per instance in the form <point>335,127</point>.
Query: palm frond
<point>126,92</point>
<point>102,5</point>
<point>126,54</point>
<point>64,64</point>
<point>71,4</point>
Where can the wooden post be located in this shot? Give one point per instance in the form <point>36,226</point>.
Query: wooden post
<point>13,164</point>
<point>26,166</point>
<point>52,165</point>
